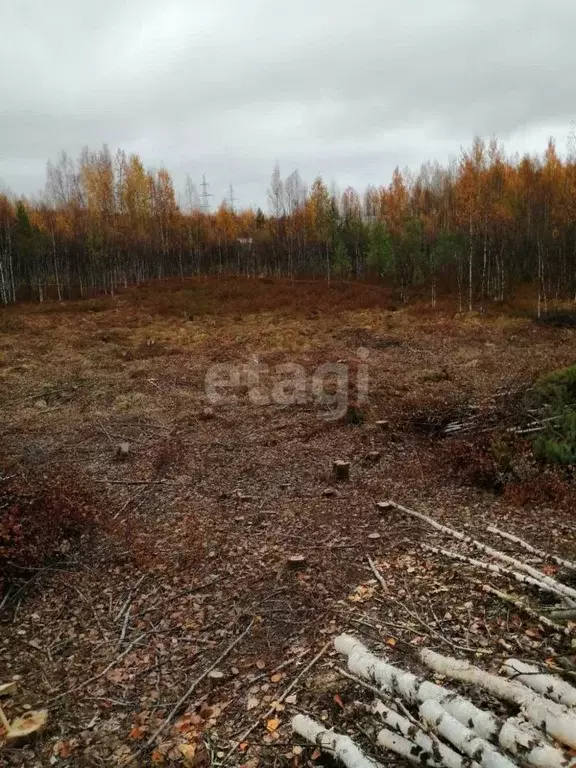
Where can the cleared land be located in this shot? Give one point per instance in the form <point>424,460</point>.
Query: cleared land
<point>175,548</point>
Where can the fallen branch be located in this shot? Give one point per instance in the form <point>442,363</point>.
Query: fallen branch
<point>497,569</point>
<point>567,593</point>
<point>530,548</point>
<point>272,709</point>
<point>195,684</point>
<point>430,630</point>
<point>113,663</point>
<point>522,606</point>
<point>341,747</point>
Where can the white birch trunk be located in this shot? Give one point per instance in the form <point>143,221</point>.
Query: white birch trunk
<point>413,690</point>
<point>463,738</point>
<point>341,747</point>
<point>524,741</point>
<point>546,685</point>
<point>401,746</point>
<point>433,752</point>
<point>552,718</point>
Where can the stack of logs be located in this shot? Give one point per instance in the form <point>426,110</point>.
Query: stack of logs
<point>449,730</point>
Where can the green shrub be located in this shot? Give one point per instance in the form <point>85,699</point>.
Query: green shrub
<point>556,394</point>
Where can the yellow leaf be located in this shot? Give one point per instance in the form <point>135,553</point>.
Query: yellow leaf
<point>30,723</point>
<point>188,752</point>
<point>273,724</point>
<point>6,689</point>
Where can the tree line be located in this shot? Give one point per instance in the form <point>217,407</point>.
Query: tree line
<point>477,228</point>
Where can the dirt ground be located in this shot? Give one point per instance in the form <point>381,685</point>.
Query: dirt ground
<point>187,540</point>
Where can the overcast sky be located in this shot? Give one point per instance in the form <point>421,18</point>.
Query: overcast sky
<point>348,89</point>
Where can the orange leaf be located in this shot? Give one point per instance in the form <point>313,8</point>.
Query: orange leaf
<point>138,733</point>
<point>273,724</point>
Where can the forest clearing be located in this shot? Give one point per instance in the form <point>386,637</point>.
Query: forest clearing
<point>175,569</point>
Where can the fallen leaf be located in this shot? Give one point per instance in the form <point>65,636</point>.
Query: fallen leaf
<point>253,702</point>
<point>30,723</point>
<point>316,754</point>
<point>216,674</point>
<point>390,641</point>
<point>276,678</point>
<point>188,752</point>
<point>138,733</point>
<point>7,689</point>
<point>339,701</point>
<point>273,724</point>
<point>261,664</point>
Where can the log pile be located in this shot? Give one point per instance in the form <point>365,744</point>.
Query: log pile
<point>428,724</point>
<point>448,730</point>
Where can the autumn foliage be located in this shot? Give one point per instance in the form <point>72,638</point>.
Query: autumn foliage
<point>37,522</point>
<point>477,229</point>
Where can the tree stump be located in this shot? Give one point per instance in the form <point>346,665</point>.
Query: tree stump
<point>341,470</point>
<point>123,451</point>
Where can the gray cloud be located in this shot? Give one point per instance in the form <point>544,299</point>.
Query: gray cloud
<point>349,90</point>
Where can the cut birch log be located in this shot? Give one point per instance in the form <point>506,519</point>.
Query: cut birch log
<point>552,718</point>
<point>463,738</point>
<point>434,752</point>
<point>564,614</point>
<point>568,593</point>
<point>524,741</point>
<point>497,569</point>
<point>546,685</point>
<point>406,749</point>
<point>529,548</point>
<point>522,606</point>
<point>413,690</point>
<point>341,747</point>
<point>519,740</point>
